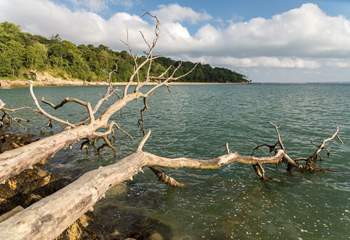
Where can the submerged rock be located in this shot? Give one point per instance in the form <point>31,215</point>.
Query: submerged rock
<point>10,141</point>
<point>110,222</point>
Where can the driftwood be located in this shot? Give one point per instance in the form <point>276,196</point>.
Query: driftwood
<point>49,217</point>
<point>310,162</point>
<point>11,213</point>
<point>97,125</point>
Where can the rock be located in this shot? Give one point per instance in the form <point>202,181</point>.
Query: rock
<point>155,236</point>
<point>118,190</point>
<point>10,141</point>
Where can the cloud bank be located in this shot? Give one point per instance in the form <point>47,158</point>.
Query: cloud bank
<point>304,38</point>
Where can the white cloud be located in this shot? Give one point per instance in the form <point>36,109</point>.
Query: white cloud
<point>47,18</point>
<point>177,13</point>
<point>302,38</point>
<point>265,62</point>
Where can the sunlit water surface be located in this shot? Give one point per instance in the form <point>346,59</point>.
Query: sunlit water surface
<point>230,203</point>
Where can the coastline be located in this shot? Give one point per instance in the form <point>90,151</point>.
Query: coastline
<point>56,82</point>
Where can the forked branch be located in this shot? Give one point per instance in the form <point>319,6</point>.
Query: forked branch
<point>309,161</point>
<point>43,112</point>
<point>7,118</point>
<point>86,105</point>
<point>49,217</point>
<point>311,164</point>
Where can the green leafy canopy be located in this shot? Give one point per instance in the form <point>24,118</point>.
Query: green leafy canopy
<point>21,52</point>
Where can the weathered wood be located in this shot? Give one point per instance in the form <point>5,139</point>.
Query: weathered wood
<point>9,214</point>
<point>2,104</point>
<point>311,164</point>
<point>49,217</point>
<point>15,161</point>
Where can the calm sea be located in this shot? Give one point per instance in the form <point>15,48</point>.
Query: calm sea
<point>230,203</point>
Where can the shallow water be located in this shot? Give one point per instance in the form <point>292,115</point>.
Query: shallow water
<point>229,203</point>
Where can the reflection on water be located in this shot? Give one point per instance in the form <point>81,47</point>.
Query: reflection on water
<point>229,203</point>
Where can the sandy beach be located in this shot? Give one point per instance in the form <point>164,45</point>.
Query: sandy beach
<point>46,80</point>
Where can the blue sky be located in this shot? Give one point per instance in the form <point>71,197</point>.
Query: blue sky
<point>226,9</point>
<point>268,40</point>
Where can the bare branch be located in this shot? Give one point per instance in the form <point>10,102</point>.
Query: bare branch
<point>156,32</point>
<point>142,111</point>
<point>311,160</point>
<point>164,178</point>
<point>42,111</point>
<point>87,105</point>
<point>131,79</point>
<point>227,148</point>
<point>170,78</point>
<point>149,56</point>
<point>107,143</point>
<point>161,76</point>
<point>326,141</point>
<point>279,138</point>
<point>270,147</point>
<point>143,141</point>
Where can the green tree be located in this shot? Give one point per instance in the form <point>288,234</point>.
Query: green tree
<point>36,56</point>
<point>11,58</point>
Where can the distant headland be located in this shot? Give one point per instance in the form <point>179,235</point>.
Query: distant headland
<point>58,62</point>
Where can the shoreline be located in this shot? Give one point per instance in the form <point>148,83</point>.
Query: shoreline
<point>9,84</point>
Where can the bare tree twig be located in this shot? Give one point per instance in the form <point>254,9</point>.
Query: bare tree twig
<point>310,164</point>
<point>42,111</point>
<point>87,105</point>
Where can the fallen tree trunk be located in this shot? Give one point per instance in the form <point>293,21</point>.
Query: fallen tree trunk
<point>49,217</point>
<point>15,161</point>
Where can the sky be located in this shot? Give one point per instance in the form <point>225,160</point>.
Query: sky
<point>268,40</point>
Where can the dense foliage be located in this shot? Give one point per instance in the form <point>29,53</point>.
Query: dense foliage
<point>21,52</point>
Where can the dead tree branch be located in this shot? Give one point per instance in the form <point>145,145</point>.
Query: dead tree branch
<point>49,217</point>
<point>311,164</point>
<point>43,112</point>
<point>310,161</point>
<point>110,91</point>
<point>87,105</point>
<point>96,126</point>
